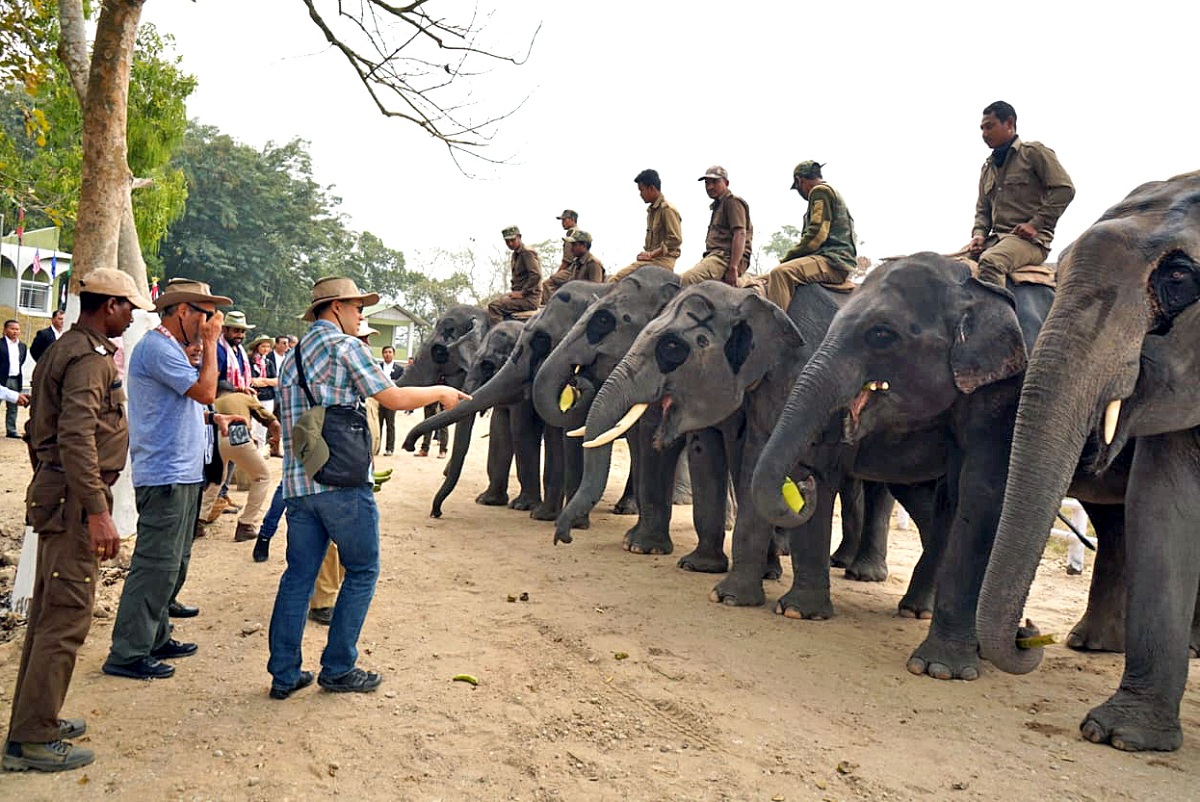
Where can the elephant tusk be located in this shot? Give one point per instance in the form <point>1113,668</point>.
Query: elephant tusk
<point>631,417</point>
<point>1111,413</point>
<point>580,432</point>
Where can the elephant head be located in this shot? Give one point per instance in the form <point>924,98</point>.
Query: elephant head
<point>447,352</point>
<point>1123,280</point>
<point>538,337</point>
<point>596,343</point>
<point>919,334</point>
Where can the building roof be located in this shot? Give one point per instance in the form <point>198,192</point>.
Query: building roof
<point>393,313</point>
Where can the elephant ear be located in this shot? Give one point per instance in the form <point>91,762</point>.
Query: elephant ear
<point>988,345</point>
<point>761,336</point>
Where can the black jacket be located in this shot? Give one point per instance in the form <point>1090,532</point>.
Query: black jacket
<point>41,341</point>
<point>396,372</point>
<point>21,349</point>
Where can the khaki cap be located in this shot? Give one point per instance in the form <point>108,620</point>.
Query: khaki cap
<point>188,291</point>
<point>117,283</point>
<point>336,288</point>
<point>237,320</point>
<point>512,232</point>
<point>716,171</point>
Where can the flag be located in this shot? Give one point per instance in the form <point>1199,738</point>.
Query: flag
<point>54,265</point>
<point>37,261</point>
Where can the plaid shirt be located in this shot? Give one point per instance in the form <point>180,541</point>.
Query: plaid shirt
<point>339,370</point>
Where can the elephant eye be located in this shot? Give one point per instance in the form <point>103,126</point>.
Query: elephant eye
<point>702,341</point>
<point>600,326</point>
<point>441,354</point>
<point>627,318</point>
<point>671,352</point>
<point>880,337</point>
<point>540,344</point>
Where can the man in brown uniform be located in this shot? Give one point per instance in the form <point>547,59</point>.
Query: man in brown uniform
<point>526,279</point>
<point>569,220</point>
<point>583,265</point>
<point>1023,190</point>
<point>80,440</point>
<point>730,234</point>
<point>664,229</point>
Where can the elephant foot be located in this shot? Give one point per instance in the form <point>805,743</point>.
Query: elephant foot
<point>810,605</point>
<point>1194,643</point>
<point>492,498</point>
<point>867,570</point>
<point>774,569</point>
<point>681,496</point>
<point>626,505</point>
<point>916,605</point>
<point>639,542</point>
<point>844,556</point>
<point>582,523</point>
<point>544,512</point>
<point>1133,722</point>
<point>705,562</point>
<point>524,502</point>
<point>738,591</point>
<point>943,659</point>
<point>1098,633</point>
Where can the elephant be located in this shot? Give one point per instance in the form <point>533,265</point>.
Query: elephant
<point>513,382</point>
<point>1121,285</point>
<point>514,431</point>
<point>437,363</point>
<point>574,370</point>
<point>923,367</point>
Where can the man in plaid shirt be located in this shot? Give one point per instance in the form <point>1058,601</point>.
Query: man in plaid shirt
<point>339,369</point>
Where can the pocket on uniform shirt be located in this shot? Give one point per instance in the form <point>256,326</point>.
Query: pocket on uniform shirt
<point>46,502</point>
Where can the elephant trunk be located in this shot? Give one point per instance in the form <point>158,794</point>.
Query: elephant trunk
<point>825,385</point>
<point>503,388</point>
<point>462,443</point>
<point>560,396</point>
<point>596,464</point>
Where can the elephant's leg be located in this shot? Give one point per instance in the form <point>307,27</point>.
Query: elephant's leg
<point>1162,564</point>
<point>809,594</point>
<point>1194,644</point>
<point>552,476</point>
<point>870,563</point>
<point>709,472</point>
<point>525,429</point>
<point>928,507</point>
<point>573,475</point>
<point>499,458</point>
<point>627,503</point>
<point>853,502</point>
<point>753,553</point>
<point>682,492</point>
<point>1102,628</point>
<point>656,479</point>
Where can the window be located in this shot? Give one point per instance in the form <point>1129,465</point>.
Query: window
<point>35,296</point>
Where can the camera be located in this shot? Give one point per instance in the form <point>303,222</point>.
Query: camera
<point>239,434</point>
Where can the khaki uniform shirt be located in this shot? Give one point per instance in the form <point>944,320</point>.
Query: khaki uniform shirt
<point>664,227</point>
<point>1031,187</point>
<point>526,273</point>
<point>246,405</point>
<point>828,230</point>
<point>586,268</point>
<point>566,260</point>
<point>77,420</point>
<point>729,212</point>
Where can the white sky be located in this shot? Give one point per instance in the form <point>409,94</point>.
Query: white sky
<point>887,94</point>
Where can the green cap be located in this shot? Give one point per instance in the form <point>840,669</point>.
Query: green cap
<point>578,235</point>
<point>569,214</point>
<point>308,445</point>
<point>806,169</point>
<point>511,232</point>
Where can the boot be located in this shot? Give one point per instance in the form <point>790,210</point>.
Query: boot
<point>245,532</point>
<point>54,756</point>
<point>262,549</point>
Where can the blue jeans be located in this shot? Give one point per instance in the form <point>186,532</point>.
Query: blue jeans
<point>270,522</point>
<point>347,516</point>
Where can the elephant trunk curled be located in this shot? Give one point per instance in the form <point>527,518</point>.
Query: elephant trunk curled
<point>503,388</point>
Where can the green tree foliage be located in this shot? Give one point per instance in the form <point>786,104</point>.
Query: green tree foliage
<point>781,242</point>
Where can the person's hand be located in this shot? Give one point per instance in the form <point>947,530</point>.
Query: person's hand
<point>976,246</point>
<point>250,391</point>
<point>223,422</point>
<point>645,256</point>
<point>514,295</point>
<point>1025,231</point>
<point>23,400</point>
<point>450,397</point>
<point>210,330</point>
<point>103,532</point>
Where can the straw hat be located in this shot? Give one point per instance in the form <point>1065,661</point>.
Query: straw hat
<point>185,291</point>
<point>336,288</point>
<point>262,338</point>
<point>364,330</point>
<point>237,320</point>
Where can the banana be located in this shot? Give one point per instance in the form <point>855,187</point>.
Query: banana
<point>467,678</point>
<point>791,495</point>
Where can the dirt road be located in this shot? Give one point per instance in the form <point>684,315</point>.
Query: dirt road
<point>616,680</point>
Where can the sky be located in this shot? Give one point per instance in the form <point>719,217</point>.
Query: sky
<point>888,95</point>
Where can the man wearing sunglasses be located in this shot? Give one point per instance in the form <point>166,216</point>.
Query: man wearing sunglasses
<point>167,444</point>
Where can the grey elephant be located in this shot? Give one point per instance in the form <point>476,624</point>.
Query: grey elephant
<point>515,432</point>
<point>513,381</point>
<point>1122,284</point>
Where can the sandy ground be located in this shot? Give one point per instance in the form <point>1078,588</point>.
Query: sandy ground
<point>616,680</point>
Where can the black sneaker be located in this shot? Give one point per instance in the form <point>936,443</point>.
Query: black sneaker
<point>322,615</point>
<point>54,756</point>
<point>353,681</point>
<point>305,679</point>
<point>173,649</point>
<point>262,549</point>
<point>142,668</point>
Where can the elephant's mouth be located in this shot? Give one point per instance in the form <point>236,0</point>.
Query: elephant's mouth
<point>869,392</point>
<point>664,433</point>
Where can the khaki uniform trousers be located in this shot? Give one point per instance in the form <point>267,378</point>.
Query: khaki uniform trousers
<point>505,306</point>
<point>710,268</point>
<point>250,460</point>
<point>329,580</point>
<point>782,280</point>
<point>551,285</point>
<point>665,262</point>
<point>1005,253</point>
<point>60,615</point>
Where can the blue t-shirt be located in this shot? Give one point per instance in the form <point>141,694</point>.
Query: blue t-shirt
<point>166,428</point>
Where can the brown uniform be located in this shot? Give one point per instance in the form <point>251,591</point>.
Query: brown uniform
<point>526,280</point>
<point>729,213</point>
<point>80,440</point>
<point>664,227</point>
<point>583,268</point>
<point>1030,187</point>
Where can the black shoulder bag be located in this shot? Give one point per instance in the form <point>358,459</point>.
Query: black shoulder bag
<point>347,436</point>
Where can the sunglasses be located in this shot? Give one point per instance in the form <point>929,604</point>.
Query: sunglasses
<point>207,314</point>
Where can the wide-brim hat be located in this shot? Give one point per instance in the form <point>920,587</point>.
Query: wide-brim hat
<point>262,338</point>
<point>336,288</point>
<point>364,329</point>
<point>188,291</point>
<point>117,283</point>
<point>237,320</point>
